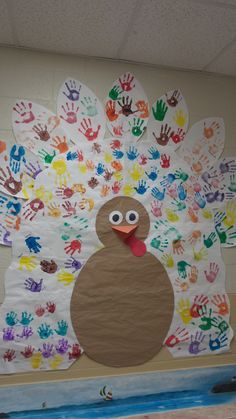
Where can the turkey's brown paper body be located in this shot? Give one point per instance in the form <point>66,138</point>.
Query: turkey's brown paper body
<point>122,305</point>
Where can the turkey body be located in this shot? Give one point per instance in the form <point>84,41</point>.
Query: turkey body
<point>122,307</point>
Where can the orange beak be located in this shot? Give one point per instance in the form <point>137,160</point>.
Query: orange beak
<point>124,231</point>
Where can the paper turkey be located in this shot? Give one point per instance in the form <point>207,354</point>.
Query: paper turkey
<point>117,251</point>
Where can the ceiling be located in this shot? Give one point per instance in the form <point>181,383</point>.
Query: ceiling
<point>187,34</point>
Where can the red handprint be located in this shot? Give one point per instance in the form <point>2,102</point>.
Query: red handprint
<point>12,185</point>
<point>70,113</point>
<point>25,113</point>
<point>87,130</point>
<point>111,110</point>
<point>9,355</point>
<point>75,352</point>
<point>42,132</point>
<point>115,144</point>
<point>126,83</point>
<point>178,136</point>
<point>28,351</point>
<point>118,130</point>
<point>143,160</point>
<point>199,302</point>
<point>50,307</point>
<point>64,192</point>
<point>220,302</point>
<point>179,336</point>
<point>116,187</point>
<point>35,206</point>
<point>72,247</point>
<point>39,311</point>
<point>165,161</point>
<point>69,208</point>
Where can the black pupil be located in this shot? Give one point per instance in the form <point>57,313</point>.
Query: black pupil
<point>115,218</point>
<point>132,216</point>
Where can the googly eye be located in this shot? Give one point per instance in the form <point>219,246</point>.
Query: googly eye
<point>132,217</point>
<point>115,217</point>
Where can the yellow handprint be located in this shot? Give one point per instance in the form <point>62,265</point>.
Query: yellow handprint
<point>36,360</point>
<point>230,212</point>
<point>200,255</point>
<point>56,361</point>
<point>54,210</point>
<point>62,174</point>
<point>108,157</point>
<point>43,194</point>
<point>118,176</point>
<point>28,186</point>
<point>167,260</point>
<point>83,204</point>
<point>28,263</point>
<point>82,168</point>
<point>207,214</point>
<point>128,190</point>
<point>180,118</point>
<point>183,309</point>
<point>65,277</point>
<point>137,172</point>
<point>171,215</point>
<point>78,187</point>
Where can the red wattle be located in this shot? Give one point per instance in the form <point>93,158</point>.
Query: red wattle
<point>137,247</point>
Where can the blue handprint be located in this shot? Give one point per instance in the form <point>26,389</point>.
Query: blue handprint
<point>32,244</point>
<point>26,318</point>
<point>14,206</point>
<point>132,153</point>
<point>73,91</point>
<point>153,174</point>
<point>142,187</point>
<point>157,194</point>
<point>154,153</point>
<point>168,180</point>
<point>16,157</point>
<point>62,327</point>
<point>72,155</point>
<point>3,200</point>
<point>182,194</point>
<point>100,169</point>
<point>199,200</point>
<point>11,318</point>
<point>118,154</point>
<point>44,331</point>
<point>219,342</point>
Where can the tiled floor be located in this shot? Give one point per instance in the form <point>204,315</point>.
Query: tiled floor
<point>219,412</point>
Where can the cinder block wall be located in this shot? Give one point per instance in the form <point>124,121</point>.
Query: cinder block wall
<point>38,76</point>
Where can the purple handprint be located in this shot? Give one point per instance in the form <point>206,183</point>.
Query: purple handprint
<point>74,264</point>
<point>33,170</point>
<point>62,346</point>
<point>26,332</point>
<point>73,91</point>
<point>8,333</point>
<point>33,286</point>
<point>194,347</point>
<point>47,350</point>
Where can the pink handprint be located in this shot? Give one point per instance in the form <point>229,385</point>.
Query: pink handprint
<point>69,208</point>
<point>70,112</point>
<point>25,113</point>
<point>212,273</point>
<point>127,82</point>
<point>156,208</point>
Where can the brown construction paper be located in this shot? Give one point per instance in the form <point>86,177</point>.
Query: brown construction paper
<point>122,305</point>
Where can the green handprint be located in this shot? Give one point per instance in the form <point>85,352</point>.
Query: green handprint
<point>223,236</point>
<point>46,157</point>
<point>232,186</point>
<point>115,92</point>
<point>90,106</point>
<point>26,318</point>
<point>160,111</point>
<point>180,205</point>
<point>11,318</point>
<point>207,322</point>
<point>179,174</point>
<point>182,265</point>
<point>137,127</point>
<point>210,240</point>
<point>156,243</point>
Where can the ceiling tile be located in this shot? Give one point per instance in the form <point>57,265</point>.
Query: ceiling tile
<point>6,36</point>
<point>179,33</point>
<point>73,26</point>
<point>225,63</point>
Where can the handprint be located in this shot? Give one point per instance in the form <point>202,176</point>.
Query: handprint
<point>153,174</point>
<point>72,247</point>
<point>33,286</point>
<point>127,82</point>
<point>27,262</point>
<point>11,318</point>
<point>178,136</point>
<point>116,187</point>
<point>62,346</point>
<point>25,113</point>
<point>210,131</point>
<point>32,209</point>
<point>183,309</point>
<point>108,175</point>
<point>156,208</point>
<point>200,254</point>
<point>180,118</point>
<point>70,113</point>
<point>128,189</point>
<point>50,307</point>
<point>90,106</point>
<point>200,302</point>
<point>111,110</point>
<point>16,157</point>
<point>142,187</point>
<point>182,271</point>
<point>136,173</point>
<point>182,286</point>
<point>69,208</point>
<point>65,277</point>
<point>136,126</point>
<point>8,182</point>
<point>159,110</point>
<point>164,135</point>
<point>182,194</point>
<point>62,328</point>
<point>41,132</point>
<point>178,337</point>
<point>36,360</point>
<point>126,104</point>
<point>232,186</point>
<point>219,342</point>
<point>115,92</point>
<point>33,170</point>
<point>9,355</point>
<point>220,302</point>
<point>158,194</point>
<point>198,166</point>
<point>105,190</point>
<point>5,235</point>
<point>230,214</point>
<point>177,246</point>
<point>199,200</point>
<point>132,153</point>
<point>60,144</point>
<point>196,341</point>
<point>44,331</point>
<point>88,131</point>
<point>168,261</point>
<point>46,157</point>
<point>210,240</point>
<point>73,92</point>
<point>179,205</point>
<point>47,350</point>
<point>193,275</point>
<point>54,210</point>
<point>28,351</point>
<point>171,215</point>
<point>159,244</point>
<point>174,99</point>
<point>49,267</point>
<point>165,161</point>
<point>227,166</point>
<point>142,107</point>
<point>73,264</point>
<point>33,244</point>
<point>192,215</point>
<point>26,318</point>
<point>75,352</point>
<point>93,182</point>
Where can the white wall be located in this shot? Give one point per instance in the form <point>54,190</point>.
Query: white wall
<point>38,76</point>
